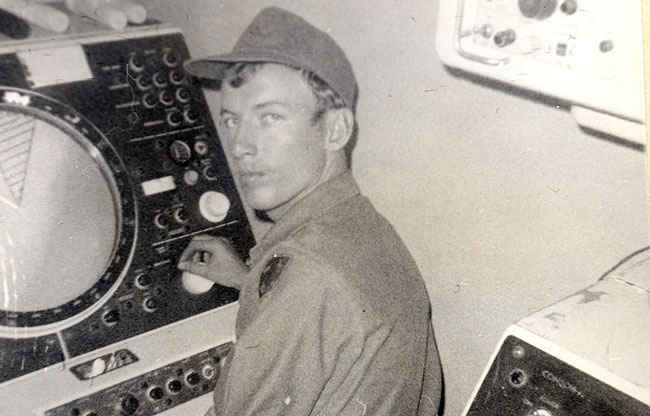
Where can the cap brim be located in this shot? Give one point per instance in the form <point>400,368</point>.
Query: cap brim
<point>213,67</point>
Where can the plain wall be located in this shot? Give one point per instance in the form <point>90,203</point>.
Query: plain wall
<point>506,205</point>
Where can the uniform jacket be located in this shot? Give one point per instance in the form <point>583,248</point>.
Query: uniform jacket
<point>334,318</point>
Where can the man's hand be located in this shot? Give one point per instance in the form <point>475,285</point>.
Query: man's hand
<point>214,259</point>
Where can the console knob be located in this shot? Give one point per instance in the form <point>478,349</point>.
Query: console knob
<point>193,378</point>
<point>504,38</point>
<point>166,98</point>
<point>130,404</point>
<point>214,206</point>
<point>174,386</point>
<point>150,304</point>
<point>196,284</point>
<point>159,80</point>
<point>180,151</point>
<point>569,7</point>
<point>143,82</point>
<point>149,100</point>
<point>111,317</point>
<point>136,63</point>
<point>538,9</point>
<point>183,95</point>
<point>156,393</point>
<point>171,59</point>
<point>174,118</point>
<point>176,77</point>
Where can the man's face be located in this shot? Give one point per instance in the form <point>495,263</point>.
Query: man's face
<point>278,149</point>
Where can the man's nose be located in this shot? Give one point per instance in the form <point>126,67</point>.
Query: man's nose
<point>245,142</point>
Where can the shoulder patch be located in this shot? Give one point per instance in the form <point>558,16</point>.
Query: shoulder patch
<point>271,273</point>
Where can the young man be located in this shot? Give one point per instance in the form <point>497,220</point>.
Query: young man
<point>334,316</point>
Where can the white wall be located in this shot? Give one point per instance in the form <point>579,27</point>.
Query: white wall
<point>506,205</point>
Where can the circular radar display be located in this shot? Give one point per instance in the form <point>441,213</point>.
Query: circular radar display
<point>65,212</point>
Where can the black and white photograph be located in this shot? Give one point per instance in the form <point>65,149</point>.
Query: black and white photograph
<point>324,208</point>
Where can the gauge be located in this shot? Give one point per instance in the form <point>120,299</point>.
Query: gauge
<point>61,211</point>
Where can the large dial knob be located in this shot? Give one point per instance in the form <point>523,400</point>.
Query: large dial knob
<point>214,206</point>
<point>537,9</point>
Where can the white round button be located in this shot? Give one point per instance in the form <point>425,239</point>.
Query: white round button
<point>195,284</point>
<point>214,206</point>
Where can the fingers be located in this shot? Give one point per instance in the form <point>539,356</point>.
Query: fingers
<point>195,268</point>
<point>200,251</point>
<point>198,243</point>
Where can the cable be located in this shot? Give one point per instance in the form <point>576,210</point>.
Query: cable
<point>623,261</point>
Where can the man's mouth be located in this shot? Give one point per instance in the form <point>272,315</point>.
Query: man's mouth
<point>251,177</point>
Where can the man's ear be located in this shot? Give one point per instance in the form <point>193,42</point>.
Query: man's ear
<point>339,126</point>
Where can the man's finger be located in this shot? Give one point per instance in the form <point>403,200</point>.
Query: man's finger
<point>193,267</point>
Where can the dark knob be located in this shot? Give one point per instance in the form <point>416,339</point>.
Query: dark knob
<point>150,304</point>
<point>130,404</point>
<point>159,79</point>
<point>171,58</point>
<point>174,118</point>
<point>149,100</point>
<point>190,115</point>
<point>183,95</point>
<point>569,6</point>
<point>537,9</point>
<point>181,216</point>
<point>180,151</point>
<point>143,82</point>
<point>193,379</point>
<point>143,280</point>
<point>176,77</point>
<point>504,38</point>
<point>136,64</point>
<point>174,386</point>
<point>156,393</point>
<point>166,97</point>
<point>111,317</point>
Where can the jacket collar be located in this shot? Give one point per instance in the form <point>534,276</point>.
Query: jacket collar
<point>313,205</point>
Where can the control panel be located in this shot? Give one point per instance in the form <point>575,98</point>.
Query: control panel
<point>153,392</point>
<point>586,52</point>
<point>526,381</point>
<point>585,354</point>
<point>109,155</point>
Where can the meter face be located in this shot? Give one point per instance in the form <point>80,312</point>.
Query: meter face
<point>59,213</point>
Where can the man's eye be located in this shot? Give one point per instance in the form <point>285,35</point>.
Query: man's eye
<point>269,118</point>
<point>229,122</point>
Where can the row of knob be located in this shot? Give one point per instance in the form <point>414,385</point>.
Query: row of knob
<point>142,281</point>
<point>146,81</point>
<point>166,97</point>
<point>188,116</point>
<point>137,62</point>
<point>112,316</point>
<point>129,403</point>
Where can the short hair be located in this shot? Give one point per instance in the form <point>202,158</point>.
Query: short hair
<point>238,73</point>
